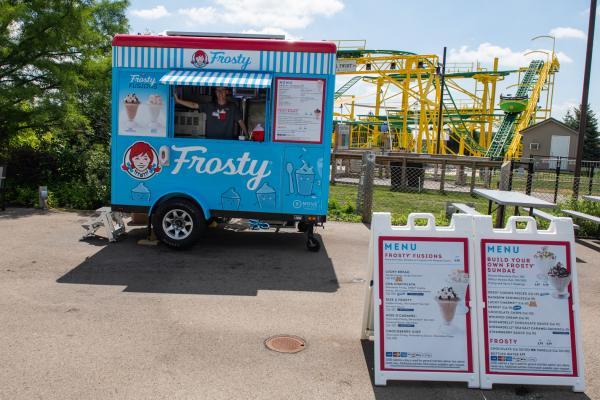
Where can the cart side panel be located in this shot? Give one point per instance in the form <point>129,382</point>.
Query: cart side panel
<point>267,177</point>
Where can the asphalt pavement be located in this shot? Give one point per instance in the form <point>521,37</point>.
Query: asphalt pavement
<point>93,320</point>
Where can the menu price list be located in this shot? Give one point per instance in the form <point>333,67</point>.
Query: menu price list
<point>299,110</point>
<point>527,314</point>
<point>421,333</point>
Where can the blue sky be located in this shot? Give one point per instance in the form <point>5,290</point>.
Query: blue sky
<point>470,29</point>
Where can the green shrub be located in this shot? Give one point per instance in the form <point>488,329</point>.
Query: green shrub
<point>586,228</point>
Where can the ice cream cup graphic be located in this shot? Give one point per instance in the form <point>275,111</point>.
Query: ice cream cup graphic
<point>131,109</point>
<point>447,309</point>
<point>230,200</point>
<point>266,197</point>
<point>447,301</point>
<point>140,193</point>
<point>305,177</point>
<point>458,280</point>
<point>132,103</point>
<point>155,105</point>
<point>543,261</point>
<point>559,278</point>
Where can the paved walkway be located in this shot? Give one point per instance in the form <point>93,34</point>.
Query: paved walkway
<point>87,320</point>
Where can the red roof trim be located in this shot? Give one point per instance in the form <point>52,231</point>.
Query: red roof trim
<point>222,43</point>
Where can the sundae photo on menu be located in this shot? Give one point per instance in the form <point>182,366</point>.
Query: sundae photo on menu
<point>155,105</point>
<point>447,300</point>
<point>559,278</point>
<point>544,259</point>
<point>459,282</point>
<point>132,103</point>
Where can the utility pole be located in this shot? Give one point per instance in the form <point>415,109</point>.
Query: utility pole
<point>584,99</point>
<point>441,110</point>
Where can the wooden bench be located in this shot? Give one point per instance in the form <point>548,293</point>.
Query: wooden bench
<point>452,208</point>
<point>580,215</point>
<point>544,215</point>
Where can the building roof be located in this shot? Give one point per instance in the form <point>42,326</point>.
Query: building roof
<point>222,43</point>
<point>549,121</point>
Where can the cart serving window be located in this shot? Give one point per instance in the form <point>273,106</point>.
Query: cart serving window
<point>217,127</point>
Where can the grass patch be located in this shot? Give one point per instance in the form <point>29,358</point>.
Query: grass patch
<point>342,203</point>
<point>342,206</point>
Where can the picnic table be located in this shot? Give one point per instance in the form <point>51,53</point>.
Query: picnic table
<point>592,198</point>
<point>505,198</point>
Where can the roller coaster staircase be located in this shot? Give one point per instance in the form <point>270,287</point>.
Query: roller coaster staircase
<point>503,138</point>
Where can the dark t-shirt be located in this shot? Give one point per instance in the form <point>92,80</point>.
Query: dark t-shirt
<point>220,120</point>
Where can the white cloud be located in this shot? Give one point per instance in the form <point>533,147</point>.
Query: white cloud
<point>568,33</point>
<point>283,14</point>
<point>559,110</point>
<point>272,31</point>
<point>199,15</point>
<point>151,13</point>
<point>486,52</point>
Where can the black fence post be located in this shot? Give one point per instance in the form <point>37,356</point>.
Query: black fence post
<point>530,172</point>
<point>510,175</point>
<point>557,180</point>
<point>443,177</point>
<point>591,179</point>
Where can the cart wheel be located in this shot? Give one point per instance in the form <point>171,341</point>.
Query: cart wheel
<point>302,226</point>
<point>178,223</point>
<point>312,244</point>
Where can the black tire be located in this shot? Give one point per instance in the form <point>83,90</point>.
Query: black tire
<point>178,223</point>
<point>302,226</point>
<point>313,244</point>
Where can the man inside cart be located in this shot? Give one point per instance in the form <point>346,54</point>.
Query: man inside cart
<point>221,115</point>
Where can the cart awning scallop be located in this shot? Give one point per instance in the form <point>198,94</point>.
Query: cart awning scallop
<point>217,78</point>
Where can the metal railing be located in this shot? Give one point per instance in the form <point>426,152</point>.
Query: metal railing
<point>550,179</point>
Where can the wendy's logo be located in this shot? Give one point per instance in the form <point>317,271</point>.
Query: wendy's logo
<point>199,59</point>
<point>140,161</point>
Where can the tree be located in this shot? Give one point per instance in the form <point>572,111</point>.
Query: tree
<point>591,144</point>
<point>55,69</point>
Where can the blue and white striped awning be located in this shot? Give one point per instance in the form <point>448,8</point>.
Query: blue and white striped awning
<point>216,78</point>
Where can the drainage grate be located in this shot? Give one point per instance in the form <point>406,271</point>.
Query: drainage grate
<point>285,344</point>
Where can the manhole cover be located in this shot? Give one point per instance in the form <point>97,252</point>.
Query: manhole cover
<point>285,343</point>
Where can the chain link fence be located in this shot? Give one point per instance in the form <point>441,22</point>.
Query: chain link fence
<point>550,179</point>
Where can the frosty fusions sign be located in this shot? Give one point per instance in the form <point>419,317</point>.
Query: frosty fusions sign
<point>424,317</point>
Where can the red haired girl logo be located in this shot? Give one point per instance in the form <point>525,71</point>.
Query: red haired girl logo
<point>140,161</point>
<point>199,59</point>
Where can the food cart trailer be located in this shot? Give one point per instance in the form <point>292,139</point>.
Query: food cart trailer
<point>167,163</point>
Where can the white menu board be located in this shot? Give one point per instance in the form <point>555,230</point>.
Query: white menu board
<point>425,323</point>
<point>528,318</point>
<point>142,104</point>
<point>299,108</point>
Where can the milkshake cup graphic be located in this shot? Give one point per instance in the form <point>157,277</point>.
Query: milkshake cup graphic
<point>317,114</point>
<point>132,103</point>
<point>155,105</point>
<point>559,278</point>
<point>543,261</point>
<point>459,282</point>
<point>305,177</point>
<point>140,192</point>
<point>447,301</point>
<point>230,200</point>
<point>266,196</point>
